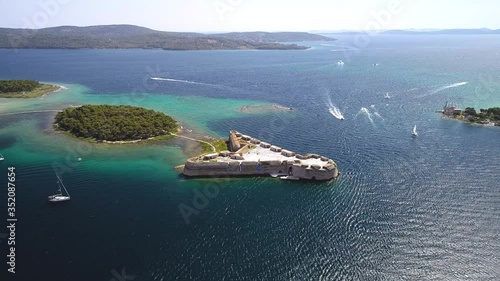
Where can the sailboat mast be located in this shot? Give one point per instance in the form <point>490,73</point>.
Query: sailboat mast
<point>60,181</point>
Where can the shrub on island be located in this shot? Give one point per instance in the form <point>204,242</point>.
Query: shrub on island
<point>114,123</point>
<point>24,89</point>
<point>11,86</point>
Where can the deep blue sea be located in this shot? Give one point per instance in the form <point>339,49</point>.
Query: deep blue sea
<point>404,208</point>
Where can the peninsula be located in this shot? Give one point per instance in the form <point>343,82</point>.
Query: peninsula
<point>111,123</point>
<point>247,156</point>
<point>488,117</point>
<point>136,37</point>
<point>25,89</point>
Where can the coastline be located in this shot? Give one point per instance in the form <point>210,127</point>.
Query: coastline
<point>39,92</point>
<point>465,121</point>
<point>60,88</point>
<point>91,140</point>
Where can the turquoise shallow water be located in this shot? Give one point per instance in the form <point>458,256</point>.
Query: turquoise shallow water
<point>404,208</point>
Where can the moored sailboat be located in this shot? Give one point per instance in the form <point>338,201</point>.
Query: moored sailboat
<point>60,197</point>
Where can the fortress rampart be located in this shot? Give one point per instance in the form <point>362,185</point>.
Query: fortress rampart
<point>261,159</point>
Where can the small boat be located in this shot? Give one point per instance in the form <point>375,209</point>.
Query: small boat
<point>340,62</point>
<point>1,157</point>
<point>291,178</point>
<point>414,132</point>
<point>386,96</point>
<point>60,197</point>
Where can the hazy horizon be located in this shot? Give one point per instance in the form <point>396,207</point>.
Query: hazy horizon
<point>310,31</point>
<point>255,15</point>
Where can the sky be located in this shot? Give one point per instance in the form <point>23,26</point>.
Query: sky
<point>254,15</point>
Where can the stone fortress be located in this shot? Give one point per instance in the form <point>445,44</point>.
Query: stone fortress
<point>251,157</point>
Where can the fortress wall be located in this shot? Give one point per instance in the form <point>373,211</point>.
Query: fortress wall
<point>237,166</point>
<point>313,174</point>
<point>233,168</point>
<point>248,168</point>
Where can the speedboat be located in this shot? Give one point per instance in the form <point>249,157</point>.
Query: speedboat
<point>414,132</point>
<point>292,178</point>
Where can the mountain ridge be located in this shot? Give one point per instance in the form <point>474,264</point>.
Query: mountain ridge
<point>137,37</point>
<point>456,31</point>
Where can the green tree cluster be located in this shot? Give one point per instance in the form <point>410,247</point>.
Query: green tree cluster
<point>114,123</point>
<point>470,111</point>
<point>490,113</point>
<point>11,86</point>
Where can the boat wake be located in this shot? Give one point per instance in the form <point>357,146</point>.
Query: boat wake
<point>366,112</point>
<point>180,81</point>
<point>448,87</point>
<point>375,112</point>
<point>334,111</point>
<point>435,91</point>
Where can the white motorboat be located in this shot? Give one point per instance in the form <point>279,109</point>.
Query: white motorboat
<point>414,132</point>
<point>291,178</point>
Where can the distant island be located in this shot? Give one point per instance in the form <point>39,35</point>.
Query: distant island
<point>489,117</point>
<point>136,37</point>
<point>111,123</point>
<point>478,31</point>
<point>25,89</point>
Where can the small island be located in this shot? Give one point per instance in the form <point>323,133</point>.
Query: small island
<point>111,123</point>
<point>25,89</point>
<point>488,117</point>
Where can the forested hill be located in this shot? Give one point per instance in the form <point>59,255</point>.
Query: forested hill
<point>136,37</point>
<point>274,36</point>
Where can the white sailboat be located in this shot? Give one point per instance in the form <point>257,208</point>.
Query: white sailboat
<point>414,132</point>
<point>1,157</point>
<point>386,96</point>
<point>60,197</point>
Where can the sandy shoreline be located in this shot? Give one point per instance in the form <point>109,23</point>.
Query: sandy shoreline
<point>59,88</point>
